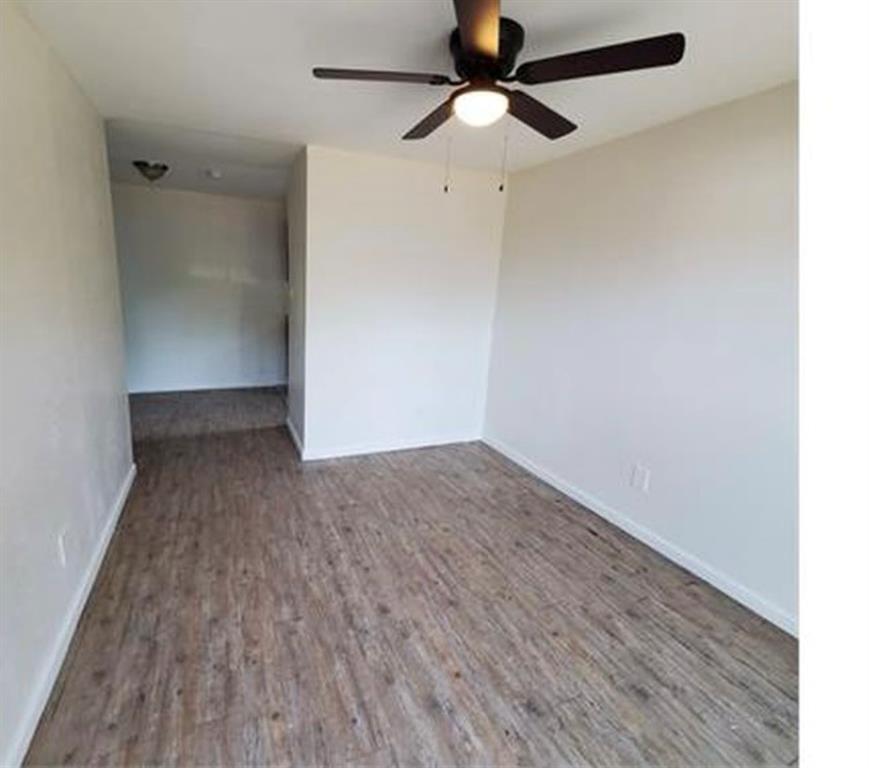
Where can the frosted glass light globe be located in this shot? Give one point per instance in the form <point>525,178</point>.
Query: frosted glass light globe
<point>480,107</point>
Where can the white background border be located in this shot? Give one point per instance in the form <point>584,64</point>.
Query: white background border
<point>834,383</point>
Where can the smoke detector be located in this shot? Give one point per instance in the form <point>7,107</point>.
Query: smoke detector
<point>151,171</point>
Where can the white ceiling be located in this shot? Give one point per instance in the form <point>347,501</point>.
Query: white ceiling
<point>183,81</point>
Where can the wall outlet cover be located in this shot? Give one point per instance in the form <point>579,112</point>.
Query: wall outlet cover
<point>62,546</point>
<point>641,478</point>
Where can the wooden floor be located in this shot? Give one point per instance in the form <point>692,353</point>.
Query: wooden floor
<point>428,607</point>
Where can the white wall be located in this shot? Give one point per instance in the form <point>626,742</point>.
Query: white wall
<point>647,314</point>
<point>203,279</point>
<point>297,244</point>
<point>400,293</point>
<point>65,456</point>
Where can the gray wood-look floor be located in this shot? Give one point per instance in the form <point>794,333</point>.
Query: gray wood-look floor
<point>427,607</point>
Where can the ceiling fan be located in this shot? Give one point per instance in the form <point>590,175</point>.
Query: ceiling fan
<point>484,48</point>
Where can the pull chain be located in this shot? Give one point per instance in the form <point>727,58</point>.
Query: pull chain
<point>504,163</point>
<point>447,165</point>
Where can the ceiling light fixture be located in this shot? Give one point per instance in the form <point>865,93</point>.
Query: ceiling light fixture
<point>151,171</point>
<point>480,106</point>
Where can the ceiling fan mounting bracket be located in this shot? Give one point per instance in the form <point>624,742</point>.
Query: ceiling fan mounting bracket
<point>511,38</point>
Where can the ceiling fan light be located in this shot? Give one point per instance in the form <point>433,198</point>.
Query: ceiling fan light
<point>480,107</point>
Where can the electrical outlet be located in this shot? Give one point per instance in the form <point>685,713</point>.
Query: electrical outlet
<point>641,478</point>
<point>61,547</point>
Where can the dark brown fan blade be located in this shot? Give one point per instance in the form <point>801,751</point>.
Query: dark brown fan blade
<point>479,26</point>
<point>432,120</point>
<point>538,116</point>
<point>423,78</point>
<point>638,54</point>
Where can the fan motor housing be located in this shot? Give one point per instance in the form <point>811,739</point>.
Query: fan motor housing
<point>510,41</point>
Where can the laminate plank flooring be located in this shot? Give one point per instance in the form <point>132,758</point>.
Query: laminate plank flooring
<point>428,607</point>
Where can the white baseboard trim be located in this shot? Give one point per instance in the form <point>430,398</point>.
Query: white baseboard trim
<point>708,573</point>
<point>39,697</point>
<point>214,387</point>
<point>384,447</point>
<point>291,428</point>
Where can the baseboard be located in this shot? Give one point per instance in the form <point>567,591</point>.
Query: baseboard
<point>208,387</point>
<point>698,567</point>
<point>49,676</point>
<point>362,449</point>
<point>300,447</point>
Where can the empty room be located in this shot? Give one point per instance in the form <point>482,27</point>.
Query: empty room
<point>393,382</point>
